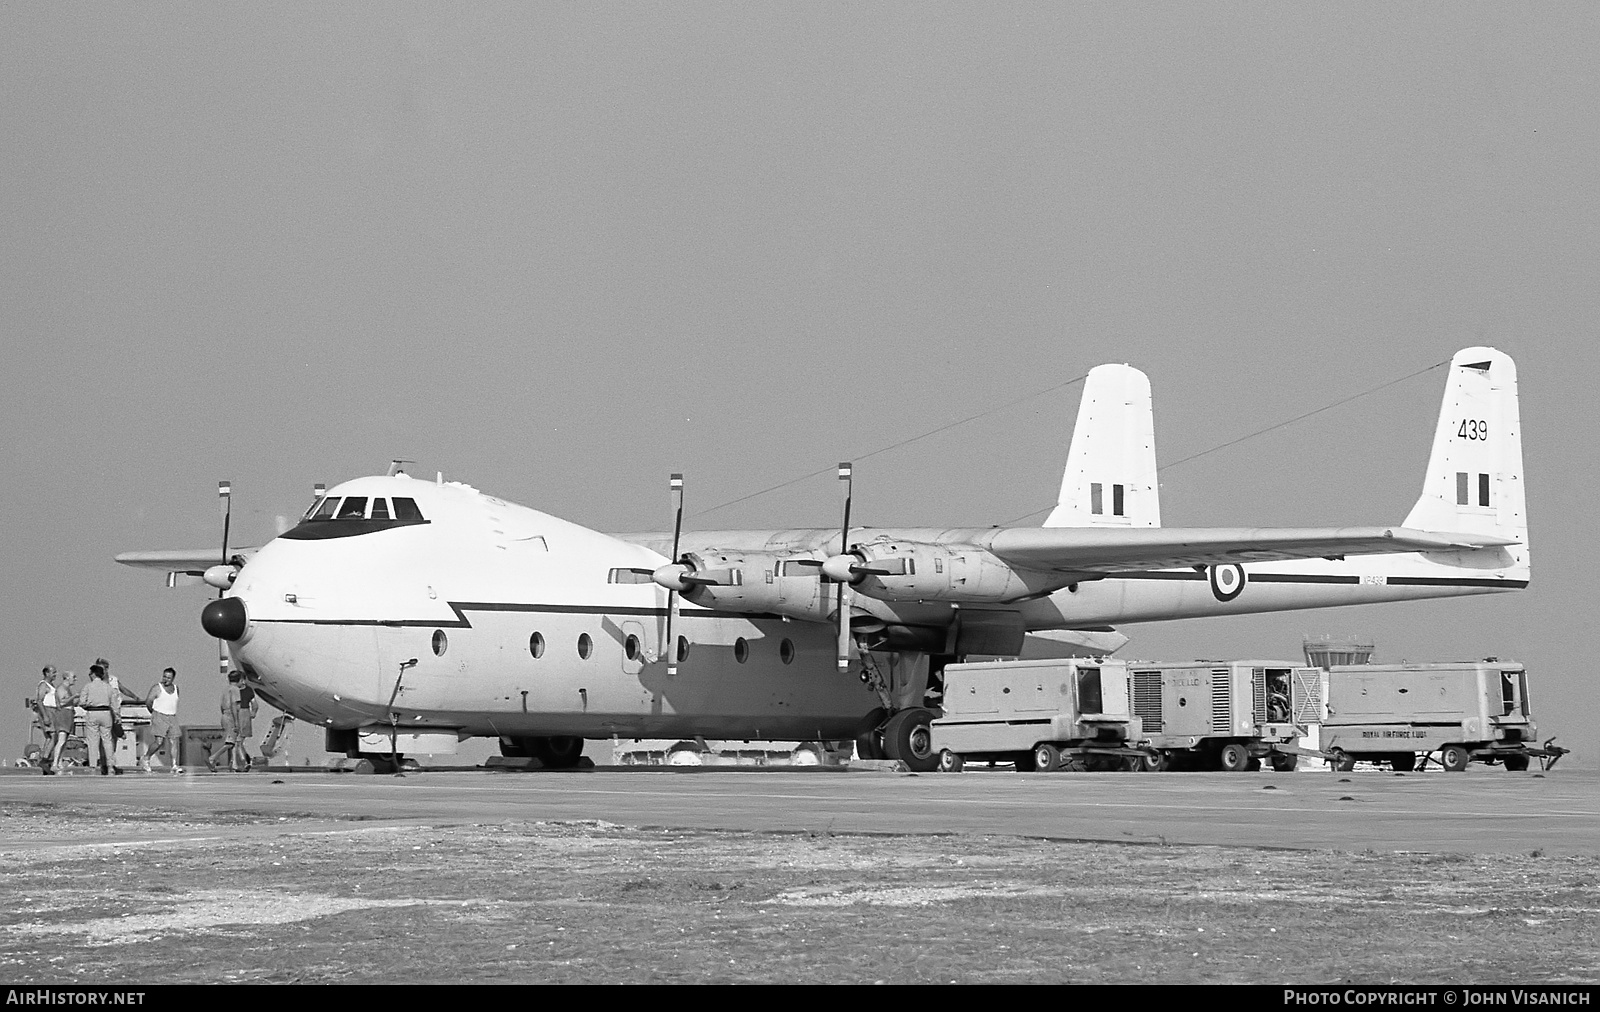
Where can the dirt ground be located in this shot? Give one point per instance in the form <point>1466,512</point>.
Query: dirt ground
<point>593,902</point>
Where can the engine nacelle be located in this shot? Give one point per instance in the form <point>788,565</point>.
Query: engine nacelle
<point>895,570</point>
<point>765,582</point>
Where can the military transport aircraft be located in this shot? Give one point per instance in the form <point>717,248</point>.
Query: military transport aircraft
<point>405,615</point>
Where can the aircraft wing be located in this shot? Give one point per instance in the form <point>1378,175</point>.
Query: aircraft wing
<point>193,560</point>
<point>1102,550</point>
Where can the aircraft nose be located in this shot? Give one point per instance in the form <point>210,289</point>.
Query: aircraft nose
<point>225,619</point>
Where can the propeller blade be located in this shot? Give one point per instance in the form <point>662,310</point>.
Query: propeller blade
<point>669,643</point>
<point>842,617</point>
<point>225,494</point>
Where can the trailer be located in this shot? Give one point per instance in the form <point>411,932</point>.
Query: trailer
<point>1224,715</point>
<point>1457,713</point>
<point>1039,715</point>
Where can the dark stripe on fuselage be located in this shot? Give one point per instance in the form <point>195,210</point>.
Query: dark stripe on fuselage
<point>1329,578</point>
<point>462,607</point>
<point>1450,581</point>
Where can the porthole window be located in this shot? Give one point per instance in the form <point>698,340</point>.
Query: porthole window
<point>536,645</point>
<point>441,643</point>
<point>585,646</point>
<point>741,650</point>
<point>786,651</point>
<point>630,647</point>
<point>683,649</point>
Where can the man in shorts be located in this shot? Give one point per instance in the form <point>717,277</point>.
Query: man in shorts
<point>163,702</point>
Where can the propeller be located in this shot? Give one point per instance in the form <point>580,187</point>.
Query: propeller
<point>672,592</point>
<point>846,472</point>
<point>225,494</point>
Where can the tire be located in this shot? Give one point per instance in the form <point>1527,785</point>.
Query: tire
<point>1454,758</point>
<point>1155,762</point>
<point>1045,757</point>
<point>1342,761</point>
<point>809,754</point>
<point>1403,762</point>
<point>1023,762</point>
<point>685,753</point>
<point>1516,763</point>
<point>1234,758</point>
<point>950,762</point>
<point>1284,762</point>
<point>560,752</point>
<point>382,763</point>
<point>908,737</point>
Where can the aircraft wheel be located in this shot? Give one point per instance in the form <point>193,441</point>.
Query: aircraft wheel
<point>950,762</point>
<point>1234,758</point>
<point>1516,763</point>
<point>1454,758</point>
<point>1155,762</point>
<point>1403,762</point>
<point>685,753</point>
<point>1283,762</point>
<point>382,763</point>
<point>808,754</point>
<point>560,752</point>
<point>1343,762</point>
<point>908,737</point>
<point>1045,757</point>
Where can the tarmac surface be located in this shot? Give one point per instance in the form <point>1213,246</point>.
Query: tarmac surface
<point>1484,810</point>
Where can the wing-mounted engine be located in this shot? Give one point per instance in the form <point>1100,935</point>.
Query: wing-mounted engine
<point>892,569</point>
<point>741,581</point>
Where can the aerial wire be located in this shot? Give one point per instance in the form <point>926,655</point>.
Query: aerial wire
<point>904,442</point>
<point>1271,428</point>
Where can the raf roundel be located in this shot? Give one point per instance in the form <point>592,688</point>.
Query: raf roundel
<point>1227,582</point>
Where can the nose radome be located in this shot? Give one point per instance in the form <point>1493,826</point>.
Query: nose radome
<point>225,619</point>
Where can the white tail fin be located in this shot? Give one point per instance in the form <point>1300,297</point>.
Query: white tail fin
<point>1475,479</point>
<point>1110,480</point>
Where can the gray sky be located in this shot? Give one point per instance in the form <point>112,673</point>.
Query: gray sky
<point>561,250</point>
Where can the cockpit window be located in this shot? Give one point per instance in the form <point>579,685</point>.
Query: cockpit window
<point>354,508</point>
<point>325,508</point>
<point>380,509</point>
<point>406,509</point>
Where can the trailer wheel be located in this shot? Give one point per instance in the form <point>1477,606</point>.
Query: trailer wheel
<point>950,762</point>
<point>1516,763</point>
<point>1045,757</point>
<point>1234,758</point>
<point>1284,762</point>
<point>1343,761</point>
<point>1403,762</point>
<point>1454,758</point>
<point>1155,762</point>
<point>1022,762</point>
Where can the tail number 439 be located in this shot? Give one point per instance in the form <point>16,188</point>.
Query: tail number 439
<point>1473,428</point>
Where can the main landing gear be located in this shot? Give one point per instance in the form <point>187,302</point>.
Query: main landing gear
<point>907,736</point>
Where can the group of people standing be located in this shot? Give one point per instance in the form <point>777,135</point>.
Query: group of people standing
<point>59,699</point>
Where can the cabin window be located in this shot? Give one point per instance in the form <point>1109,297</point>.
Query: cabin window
<point>325,509</point>
<point>786,651</point>
<point>441,643</point>
<point>536,645</point>
<point>741,650</point>
<point>380,509</point>
<point>406,509</point>
<point>585,646</point>
<point>683,649</point>
<point>630,647</point>
<point>354,508</point>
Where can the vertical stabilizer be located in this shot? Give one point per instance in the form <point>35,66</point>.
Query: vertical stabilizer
<point>1110,480</point>
<point>1475,479</point>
